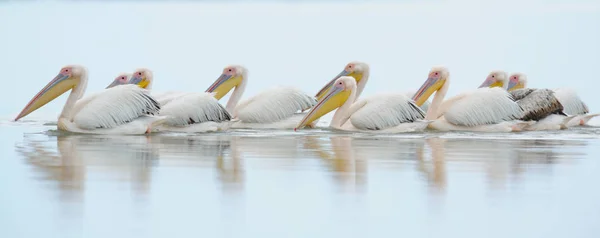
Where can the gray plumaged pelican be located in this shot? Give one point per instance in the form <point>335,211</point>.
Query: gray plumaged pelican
<point>385,113</point>
<point>539,105</point>
<point>483,109</point>
<point>123,109</point>
<point>193,112</point>
<point>123,78</point>
<point>572,104</point>
<point>276,108</point>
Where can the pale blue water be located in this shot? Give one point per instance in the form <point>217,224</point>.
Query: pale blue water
<point>313,183</point>
<point>316,183</point>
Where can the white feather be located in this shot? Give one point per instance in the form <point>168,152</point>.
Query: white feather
<point>184,109</point>
<point>481,107</point>
<point>384,111</point>
<point>273,105</point>
<point>572,104</point>
<point>113,107</point>
<point>166,97</point>
<point>287,123</point>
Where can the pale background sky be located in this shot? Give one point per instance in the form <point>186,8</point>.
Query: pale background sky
<point>187,43</point>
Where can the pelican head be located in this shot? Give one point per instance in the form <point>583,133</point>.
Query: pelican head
<point>68,78</point>
<point>517,81</point>
<point>354,69</point>
<point>232,76</point>
<point>334,98</point>
<point>142,77</point>
<point>436,80</point>
<point>495,79</point>
<point>123,78</point>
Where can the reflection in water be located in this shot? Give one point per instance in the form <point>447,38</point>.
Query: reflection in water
<point>229,179</point>
<point>349,168</point>
<point>347,157</point>
<point>129,158</point>
<point>433,167</point>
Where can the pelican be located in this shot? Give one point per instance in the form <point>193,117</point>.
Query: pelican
<point>360,72</point>
<point>483,109</point>
<point>277,108</point>
<point>123,78</point>
<point>573,105</point>
<point>539,105</point>
<point>386,113</point>
<point>186,111</point>
<point>124,109</point>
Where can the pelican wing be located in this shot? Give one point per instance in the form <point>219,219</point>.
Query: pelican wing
<point>481,107</point>
<point>114,106</point>
<point>274,105</point>
<point>571,102</point>
<point>191,108</point>
<point>537,103</point>
<point>166,97</point>
<point>384,111</point>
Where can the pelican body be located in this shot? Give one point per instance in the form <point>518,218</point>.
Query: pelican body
<point>572,104</point>
<point>193,112</point>
<point>123,109</point>
<point>484,109</point>
<point>385,113</point>
<point>540,106</point>
<point>276,108</point>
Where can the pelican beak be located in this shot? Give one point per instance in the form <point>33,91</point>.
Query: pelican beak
<point>140,81</point>
<point>514,85</point>
<point>356,75</point>
<point>59,85</point>
<point>223,85</point>
<point>334,98</point>
<point>432,84</point>
<point>491,82</point>
<point>114,83</point>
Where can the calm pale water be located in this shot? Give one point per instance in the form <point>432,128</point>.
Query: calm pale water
<point>311,183</point>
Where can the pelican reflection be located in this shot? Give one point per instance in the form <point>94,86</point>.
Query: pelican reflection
<point>122,157</point>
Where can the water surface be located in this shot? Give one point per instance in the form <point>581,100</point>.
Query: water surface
<point>312,183</point>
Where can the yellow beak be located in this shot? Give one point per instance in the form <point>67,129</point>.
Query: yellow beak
<point>497,84</point>
<point>335,98</point>
<point>142,82</point>
<point>325,89</point>
<point>431,85</point>
<point>491,82</point>
<point>519,85</point>
<point>223,85</point>
<point>59,85</point>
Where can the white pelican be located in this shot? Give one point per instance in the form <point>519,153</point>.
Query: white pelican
<point>572,104</point>
<point>360,72</point>
<point>539,105</point>
<point>387,113</point>
<point>124,109</point>
<point>483,109</point>
<point>123,78</point>
<point>277,108</point>
<point>186,111</point>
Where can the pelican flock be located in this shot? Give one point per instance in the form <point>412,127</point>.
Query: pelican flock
<point>128,105</point>
<point>123,109</point>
